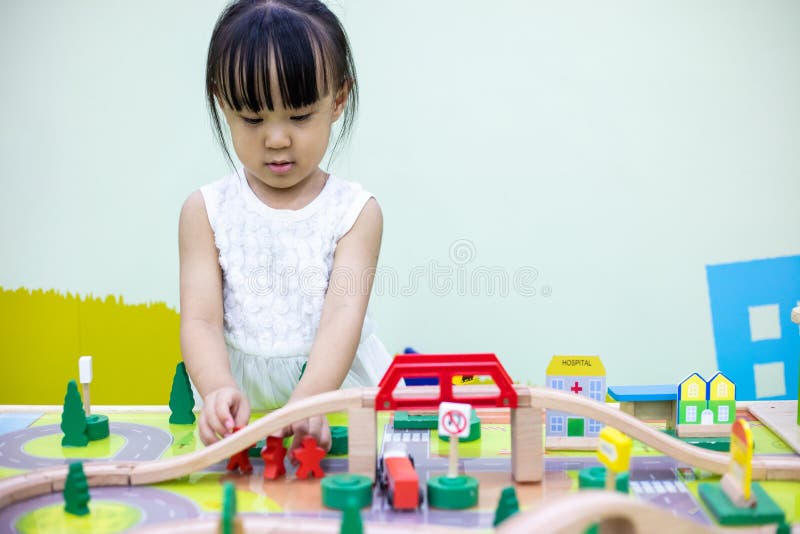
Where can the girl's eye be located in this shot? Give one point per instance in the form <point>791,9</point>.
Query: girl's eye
<point>252,120</point>
<point>300,118</point>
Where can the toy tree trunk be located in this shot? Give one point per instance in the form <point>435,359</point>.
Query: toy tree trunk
<point>351,521</point>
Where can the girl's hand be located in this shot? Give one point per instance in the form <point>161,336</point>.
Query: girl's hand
<point>224,409</point>
<point>316,426</point>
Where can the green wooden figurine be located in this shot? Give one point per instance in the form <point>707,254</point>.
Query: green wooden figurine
<point>76,491</point>
<point>73,418</point>
<point>181,399</point>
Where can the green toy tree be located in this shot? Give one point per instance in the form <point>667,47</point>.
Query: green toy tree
<point>181,399</point>
<point>228,521</point>
<point>507,506</point>
<point>73,418</point>
<point>76,491</point>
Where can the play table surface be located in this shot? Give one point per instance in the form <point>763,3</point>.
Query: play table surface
<point>30,438</point>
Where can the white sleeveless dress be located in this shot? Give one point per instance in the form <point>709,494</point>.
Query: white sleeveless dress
<point>276,265</point>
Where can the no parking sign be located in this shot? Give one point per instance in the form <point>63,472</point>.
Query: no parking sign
<point>454,419</point>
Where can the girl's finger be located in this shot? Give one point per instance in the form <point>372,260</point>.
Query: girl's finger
<point>241,413</point>
<point>207,435</point>
<point>325,440</point>
<point>223,419</point>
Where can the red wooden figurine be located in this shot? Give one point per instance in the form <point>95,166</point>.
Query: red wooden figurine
<point>241,460</point>
<point>273,454</point>
<point>309,456</point>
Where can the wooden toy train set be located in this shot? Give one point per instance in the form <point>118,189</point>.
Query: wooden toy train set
<point>397,475</point>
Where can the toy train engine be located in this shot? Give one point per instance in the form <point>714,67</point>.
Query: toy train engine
<point>399,479</point>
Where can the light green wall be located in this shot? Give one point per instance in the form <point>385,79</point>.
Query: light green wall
<point>616,147</point>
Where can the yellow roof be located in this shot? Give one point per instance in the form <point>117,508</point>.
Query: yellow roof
<point>576,366</point>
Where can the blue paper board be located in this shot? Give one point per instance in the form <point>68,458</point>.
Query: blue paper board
<point>732,289</point>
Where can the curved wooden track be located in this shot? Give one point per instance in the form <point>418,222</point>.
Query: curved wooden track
<point>764,467</point>
<point>614,512</point>
<point>282,525</point>
<point>136,473</point>
<point>45,480</point>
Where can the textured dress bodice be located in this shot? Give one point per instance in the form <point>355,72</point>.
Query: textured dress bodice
<point>276,265</point>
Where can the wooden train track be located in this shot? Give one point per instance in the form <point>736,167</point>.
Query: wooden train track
<point>764,467</point>
<point>47,480</point>
<point>573,514</point>
<point>613,512</point>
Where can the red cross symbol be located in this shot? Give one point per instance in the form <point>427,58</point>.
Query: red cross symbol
<point>576,388</point>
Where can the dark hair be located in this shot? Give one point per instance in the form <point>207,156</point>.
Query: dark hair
<point>301,39</point>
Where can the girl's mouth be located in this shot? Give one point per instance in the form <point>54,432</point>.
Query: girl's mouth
<point>280,167</point>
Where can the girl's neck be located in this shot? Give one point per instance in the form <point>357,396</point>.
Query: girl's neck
<point>292,198</point>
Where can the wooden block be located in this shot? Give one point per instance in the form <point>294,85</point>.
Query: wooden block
<point>703,431</point>
<point>527,455</point>
<point>558,443</point>
<point>362,442</point>
<point>654,410</point>
<point>657,410</point>
<point>672,417</point>
<point>628,408</point>
<point>523,396</point>
<point>368,397</point>
<point>781,418</point>
<point>735,492</point>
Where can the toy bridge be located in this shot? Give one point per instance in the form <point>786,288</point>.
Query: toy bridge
<point>445,367</point>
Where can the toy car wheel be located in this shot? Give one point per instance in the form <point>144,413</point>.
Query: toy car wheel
<point>381,476</point>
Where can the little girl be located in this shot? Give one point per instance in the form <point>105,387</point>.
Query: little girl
<point>277,259</point>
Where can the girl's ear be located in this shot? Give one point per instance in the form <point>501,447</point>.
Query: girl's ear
<point>340,101</point>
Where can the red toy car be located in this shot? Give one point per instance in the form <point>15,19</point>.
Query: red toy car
<point>399,479</point>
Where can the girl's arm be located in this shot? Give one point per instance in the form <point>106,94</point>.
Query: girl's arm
<point>345,305</point>
<point>202,344</point>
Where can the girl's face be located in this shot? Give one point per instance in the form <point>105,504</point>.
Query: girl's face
<point>283,148</point>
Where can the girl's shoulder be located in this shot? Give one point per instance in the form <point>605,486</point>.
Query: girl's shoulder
<point>342,189</point>
<point>225,186</point>
<point>337,206</point>
<point>347,202</point>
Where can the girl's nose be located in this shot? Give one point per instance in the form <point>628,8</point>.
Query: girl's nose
<point>277,138</point>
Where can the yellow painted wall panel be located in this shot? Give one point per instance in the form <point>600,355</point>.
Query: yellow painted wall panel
<point>134,347</point>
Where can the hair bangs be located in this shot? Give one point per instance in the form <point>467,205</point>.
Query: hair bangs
<point>276,47</point>
<point>295,51</point>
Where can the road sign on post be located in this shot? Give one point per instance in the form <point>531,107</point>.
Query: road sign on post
<point>614,452</point>
<point>740,471</point>
<point>454,419</point>
<point>85,374</point>
<point>454,422</point>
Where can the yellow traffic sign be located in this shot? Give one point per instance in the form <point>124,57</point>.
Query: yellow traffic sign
<point>615,449</point>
